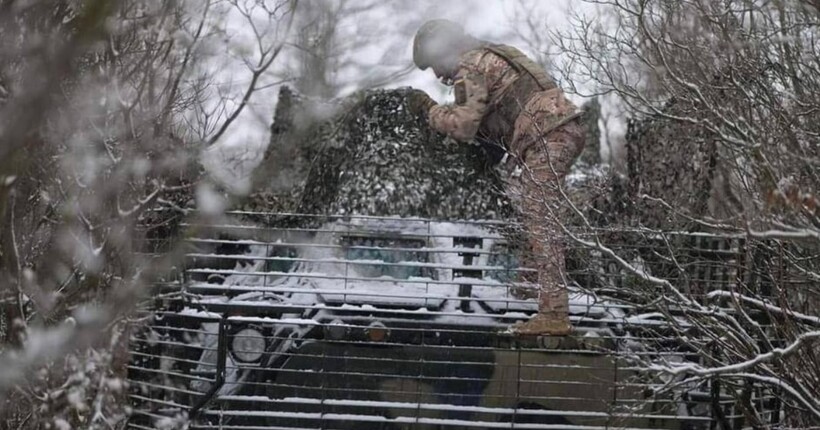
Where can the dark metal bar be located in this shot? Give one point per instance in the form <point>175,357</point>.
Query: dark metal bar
<point>222,355</point>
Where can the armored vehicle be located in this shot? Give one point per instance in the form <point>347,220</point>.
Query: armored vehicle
<point>387,304</point>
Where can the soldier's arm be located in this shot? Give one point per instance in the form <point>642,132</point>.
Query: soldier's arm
<point>462,119</point>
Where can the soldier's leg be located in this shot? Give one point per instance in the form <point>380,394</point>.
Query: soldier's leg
<point>547,161</point>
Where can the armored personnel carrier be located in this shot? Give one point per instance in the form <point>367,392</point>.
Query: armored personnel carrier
<point>384,301</point>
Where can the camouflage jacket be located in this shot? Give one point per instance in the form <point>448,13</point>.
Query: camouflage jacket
<point>490,93</point>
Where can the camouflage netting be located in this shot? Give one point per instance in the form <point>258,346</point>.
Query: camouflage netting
<point>367,155</point>
<point>685,167</point>
<point>376,158</point>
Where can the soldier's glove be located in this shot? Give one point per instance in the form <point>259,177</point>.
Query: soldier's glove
<point>419,103</point>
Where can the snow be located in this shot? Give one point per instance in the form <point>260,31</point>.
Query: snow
<point>209,201</point>
<point>77,398</point>
<point>444,422</point>
<point>578,176</point>
<point>114,384</point>
<point>421,406</point>
<point>321,274</point>
<point>323,281</point>
<point>61,424</point>
<point>172,423</point>
<point>764,305</point>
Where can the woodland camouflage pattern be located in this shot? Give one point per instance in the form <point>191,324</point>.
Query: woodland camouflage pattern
<point>531,119</point>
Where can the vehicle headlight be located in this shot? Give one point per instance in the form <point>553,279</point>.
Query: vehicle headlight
<point>377,332</point>
<point>248,345</point>
<point>336,330</point>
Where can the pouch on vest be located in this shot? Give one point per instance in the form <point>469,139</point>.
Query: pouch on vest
<point>471,90</point>
<point>461,92</point>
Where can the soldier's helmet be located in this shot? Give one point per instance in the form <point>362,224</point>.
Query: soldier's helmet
<point>436,41</point>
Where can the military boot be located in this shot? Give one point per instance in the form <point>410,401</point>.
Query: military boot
<point>552,318</point>
<point>549,324</point>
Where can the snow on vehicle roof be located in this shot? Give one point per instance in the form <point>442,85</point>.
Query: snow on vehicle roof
<point>325,272</point>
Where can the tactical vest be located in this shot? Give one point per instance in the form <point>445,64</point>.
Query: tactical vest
<point>523,65</point>
<point>498,123</point>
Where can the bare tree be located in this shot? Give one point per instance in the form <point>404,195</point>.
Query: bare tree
<point>338,47</point>
<point>724,141</point>
<point>341,46</point>
<point>528,22</point>
<point>529,28</point>
<point>105,106</point>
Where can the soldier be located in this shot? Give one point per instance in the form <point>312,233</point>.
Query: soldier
<point>503,97</point>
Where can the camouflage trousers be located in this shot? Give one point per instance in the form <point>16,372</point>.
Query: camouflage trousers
<point>547,139</point>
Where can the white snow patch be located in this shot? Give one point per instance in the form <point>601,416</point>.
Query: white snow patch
<point>61,424</point>
<point>209,201</point>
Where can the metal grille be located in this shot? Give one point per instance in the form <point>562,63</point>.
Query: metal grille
<point>387,323</point>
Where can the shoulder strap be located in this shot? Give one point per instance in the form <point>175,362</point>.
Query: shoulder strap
<point>522,63</point>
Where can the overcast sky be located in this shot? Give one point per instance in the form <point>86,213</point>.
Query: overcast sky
<point>488,20</point>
